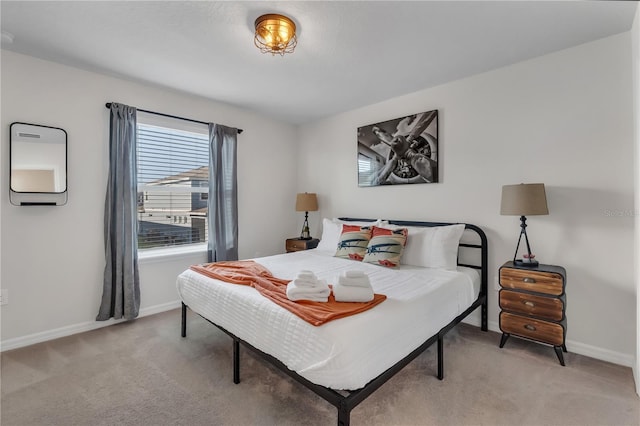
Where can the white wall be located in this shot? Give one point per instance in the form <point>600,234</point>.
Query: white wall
<point>635,58</point>
<point>564,119</point>
<point>53,257</point>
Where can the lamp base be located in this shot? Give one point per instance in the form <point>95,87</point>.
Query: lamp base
<point>530,264</point>
<point>304,233</point>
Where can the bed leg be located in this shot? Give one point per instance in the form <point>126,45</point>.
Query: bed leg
<point>440,358</point>
<point>344,415</point>
<point>236,361</point>
<point>485,316</point>
<point>184,320</point>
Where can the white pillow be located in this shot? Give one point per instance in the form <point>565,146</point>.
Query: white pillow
<point>432,247</point>
<point>331,230</point>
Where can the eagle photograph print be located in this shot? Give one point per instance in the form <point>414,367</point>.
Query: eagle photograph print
<point>399,151</point>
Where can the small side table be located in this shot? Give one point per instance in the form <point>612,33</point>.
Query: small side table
<point>533,304</point>
<point>298,244</point>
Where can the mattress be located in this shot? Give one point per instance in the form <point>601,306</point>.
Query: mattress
<point>344,354</point>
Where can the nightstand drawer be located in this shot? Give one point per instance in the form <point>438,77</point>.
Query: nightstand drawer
<point>532,328</point>
<point>536,281</point>
<point>296,244</point>
<point>529,304</point>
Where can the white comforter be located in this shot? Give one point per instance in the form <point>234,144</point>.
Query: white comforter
<point>345,353</point>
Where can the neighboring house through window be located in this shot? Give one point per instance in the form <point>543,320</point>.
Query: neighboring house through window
<point>173,182</point>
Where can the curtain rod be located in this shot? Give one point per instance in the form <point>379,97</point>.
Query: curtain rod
<point>108,105</point>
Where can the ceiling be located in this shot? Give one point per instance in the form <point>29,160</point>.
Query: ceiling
<point>349,54</point>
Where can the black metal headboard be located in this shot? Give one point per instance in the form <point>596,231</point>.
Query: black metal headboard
<point>482,246</point>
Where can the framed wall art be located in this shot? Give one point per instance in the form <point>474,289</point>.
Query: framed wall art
<point>399,151</point>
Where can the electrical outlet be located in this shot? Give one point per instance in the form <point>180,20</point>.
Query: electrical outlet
<point>4,297</point>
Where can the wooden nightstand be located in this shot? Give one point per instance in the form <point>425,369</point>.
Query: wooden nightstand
<point>533,304</point>
<point>297,244</point>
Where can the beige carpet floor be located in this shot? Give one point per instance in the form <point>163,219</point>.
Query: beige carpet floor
<point>144,373</point>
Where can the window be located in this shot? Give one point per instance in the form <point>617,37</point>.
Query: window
<point>173,182</point>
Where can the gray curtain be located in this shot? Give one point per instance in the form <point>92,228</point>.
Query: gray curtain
<point>121,291</point>
<point>223,193</point>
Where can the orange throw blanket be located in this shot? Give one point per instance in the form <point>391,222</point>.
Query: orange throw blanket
<point>248,272</point>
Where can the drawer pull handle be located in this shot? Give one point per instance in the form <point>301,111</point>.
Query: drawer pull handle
<point>529,280</point>
<point>530,327</point>
<point>528,304</point>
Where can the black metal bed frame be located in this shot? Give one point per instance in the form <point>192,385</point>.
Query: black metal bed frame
<point>346,403</point>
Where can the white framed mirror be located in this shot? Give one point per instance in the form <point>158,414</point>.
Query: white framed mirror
<point>38,157</point>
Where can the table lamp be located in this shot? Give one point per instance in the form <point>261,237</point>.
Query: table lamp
<point>306,203</point>
<point>523,200</point>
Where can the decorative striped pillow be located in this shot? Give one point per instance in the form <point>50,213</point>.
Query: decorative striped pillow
<point>353,242</point>
<point>386,246</point>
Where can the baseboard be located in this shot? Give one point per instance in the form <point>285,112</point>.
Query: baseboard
<point>573,346</point>
<point>44,336</point>
<point>474,319</point>
<point>600,353</point>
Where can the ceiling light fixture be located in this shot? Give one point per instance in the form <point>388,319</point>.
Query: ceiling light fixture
<point>275,34</point>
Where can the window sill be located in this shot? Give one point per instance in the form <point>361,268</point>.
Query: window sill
<point>171,253</point>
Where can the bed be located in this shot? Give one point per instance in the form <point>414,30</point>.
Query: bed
<point>346,360</point>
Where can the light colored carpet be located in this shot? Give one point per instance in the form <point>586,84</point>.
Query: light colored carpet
<point>144,373</point>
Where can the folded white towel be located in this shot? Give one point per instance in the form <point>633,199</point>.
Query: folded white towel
<point>309,297</point>
<point>306,278</point>
<point>307,275</point>
<point>354,282</point>
<point>344,293</point>
<point>321,287</point>
<point>319,293</point>
<point>355,273</point>
<point>305,283</point>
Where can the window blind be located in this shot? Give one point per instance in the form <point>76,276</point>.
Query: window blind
<point>173,184</point>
